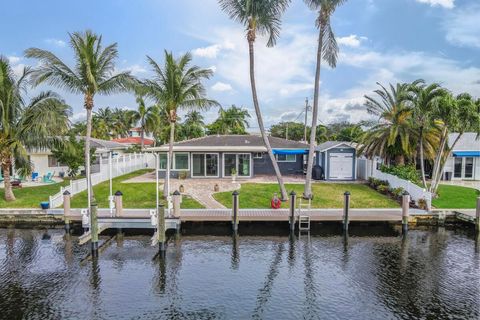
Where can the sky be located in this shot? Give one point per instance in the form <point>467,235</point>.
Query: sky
<point>385,41</point>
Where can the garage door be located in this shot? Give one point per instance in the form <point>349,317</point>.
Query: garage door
<point>341,166</point>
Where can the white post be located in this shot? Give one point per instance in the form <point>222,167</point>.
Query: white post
<point>157,167</point>
<point>110,198</point>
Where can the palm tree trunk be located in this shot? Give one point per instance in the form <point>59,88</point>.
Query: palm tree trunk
<point>166,186</point>
<point>441,165</point>
<point>142,138</point>
<point>438,156</point>
<point>9,196</point>
<point>283,191</point>
<point>422,160</point>
<point>89,107</point>
<point>307,193</point>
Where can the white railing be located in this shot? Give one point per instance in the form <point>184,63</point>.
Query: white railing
<point>120,165</point>
<point>416,192</point>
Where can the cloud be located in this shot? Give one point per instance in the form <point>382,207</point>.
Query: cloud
<point>56,42</point>
<point>462,27</point>
<point>78,117</point>
<point>449,4</point>
<point>14,59</point>
<point>351,41</point>
<point>135,69</point>
<point>221,87</point>
<point>212,51</point>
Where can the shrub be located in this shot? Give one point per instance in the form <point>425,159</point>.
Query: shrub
<point>397,192</point>
<point>422,204</point>
<point>382,189</point>
<point>407,172</point>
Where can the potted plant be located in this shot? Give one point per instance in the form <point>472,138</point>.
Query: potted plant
<point>234,175</point>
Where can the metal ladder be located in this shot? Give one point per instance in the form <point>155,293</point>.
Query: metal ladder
<point>304,217</point>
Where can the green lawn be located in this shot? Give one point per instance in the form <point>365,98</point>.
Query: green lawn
<point>30,197</point>
<point>455,197</point>
<point>326,195</point>
<point>135,195</point>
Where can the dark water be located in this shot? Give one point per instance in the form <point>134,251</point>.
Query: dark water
<point>430,275</point>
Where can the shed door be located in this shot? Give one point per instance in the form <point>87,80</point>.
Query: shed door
<point>341,166</point>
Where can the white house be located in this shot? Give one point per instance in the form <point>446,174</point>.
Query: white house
<point>464,161</point>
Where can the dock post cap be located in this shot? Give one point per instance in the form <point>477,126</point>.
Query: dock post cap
<point>176,193</point>
<point>161,205</point>
<point>405,193</point>
<point>119,193</point>
<point>66,193</point>
<point>235,193</point>
<point>347,193</point>
<point>293,193</point>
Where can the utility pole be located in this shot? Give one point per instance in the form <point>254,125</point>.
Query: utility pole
<point>306,116</point>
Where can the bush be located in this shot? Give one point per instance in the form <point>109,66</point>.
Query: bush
<point>407,172</point>
<point>397,192</point>
<point>383,189</point>
<point>422,204</point>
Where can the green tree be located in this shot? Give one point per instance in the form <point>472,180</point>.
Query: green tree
<point>193,126</point>
<point>351,133</point>
<point>289,130</point>
<point>231,120</point>
<point>72,154</point>
<point>147,118</point>
<point>36,125</point>
<point>175,86</point>
<point>327,49</point>
<point>263,18</point>
<point>91,75</point>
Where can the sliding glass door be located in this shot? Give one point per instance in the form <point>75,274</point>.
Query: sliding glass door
<point>204,165</point>
<point>468,168</point>
<point>240,163</point>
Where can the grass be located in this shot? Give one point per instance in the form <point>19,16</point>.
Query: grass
<point>326,195</point>
<point>30,197</point>
<point>455,197</point>
<point>135,195</point>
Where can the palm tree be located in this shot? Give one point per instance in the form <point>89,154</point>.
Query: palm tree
<point>193,126</point>
<point>175,86</point>
<point>425,101</point>
<point>92,74</point>
<point>263,18</point>
<point>394,135</point>
<point>122,122</point>
<point>327,50</point>
<point>232,120</point>
<point>34,126</point>
<point>146,117</point>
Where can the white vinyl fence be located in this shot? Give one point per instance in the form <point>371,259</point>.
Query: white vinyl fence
<point>120,165</point>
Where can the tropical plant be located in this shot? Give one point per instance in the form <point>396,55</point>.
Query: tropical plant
<point>288,130</point>
<point>327,50</point>
<point>36,125</point>
<point>262,18</point>
<point>231,120</point>
<point>72,154</point>
<point>177,85</point>
<point>147,118</point>
<point>406,172</point>
<point>92,74</point>
<point>193,126</point>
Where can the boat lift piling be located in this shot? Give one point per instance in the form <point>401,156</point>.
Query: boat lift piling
<point>346,209</point>
<point>293,200</point>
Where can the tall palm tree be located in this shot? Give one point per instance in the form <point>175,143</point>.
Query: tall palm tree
<point>425,101</point>
<point>36,125</point>
<point>263,18</point>
<point>394,135</point>
<point>177,85</point>
<point>93,73</point>
<point>147,118</point>
<point>193,126</point>
<point>122,122</point>
<point>327,50</point>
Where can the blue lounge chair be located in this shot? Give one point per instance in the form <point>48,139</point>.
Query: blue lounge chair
<point>34,176</point>
<point>48,178</point>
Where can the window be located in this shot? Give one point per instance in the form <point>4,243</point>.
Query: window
<point>286,157</point>
<point>180,161</point>
<point>257,155</point>
<point>163,161</point>
<point>53,162</point>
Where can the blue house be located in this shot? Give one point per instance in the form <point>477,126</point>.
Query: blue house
<point>338,159</point>
<point>220,156</point>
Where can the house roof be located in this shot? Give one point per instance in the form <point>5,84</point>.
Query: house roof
<point>468,142</point>
<point>135,140</point>
<point>249,143</point>
<point>333,144</point>
<point>100,144</point>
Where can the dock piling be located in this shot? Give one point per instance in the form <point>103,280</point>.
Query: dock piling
<point>346,209</point>
<point>477,214</point>
<point>177,200</point>
<point>405,211</point>
<point>235,207</point>
<point>118,203</point>
<point>161,228</point>
<point>293,200</point>
<point>66,209</point>
<point>94,226</point>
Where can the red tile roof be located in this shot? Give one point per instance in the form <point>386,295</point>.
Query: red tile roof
<point>135,140</point>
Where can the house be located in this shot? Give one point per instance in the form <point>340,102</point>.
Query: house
<point>464,161</point>
<point>338,159</point>
<point>43,161</point>
<point>219,156</point>
<point>134,138</point>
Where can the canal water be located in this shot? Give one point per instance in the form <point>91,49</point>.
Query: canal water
<point>430,274</point>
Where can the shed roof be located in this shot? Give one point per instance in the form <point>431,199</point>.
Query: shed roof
<point>333,144</point>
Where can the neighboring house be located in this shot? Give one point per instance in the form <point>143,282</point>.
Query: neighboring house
<point>464,161</point>
<point>43,161</point>
<point>135,138</point>
<point>338,160</point>
<point>219,156</point>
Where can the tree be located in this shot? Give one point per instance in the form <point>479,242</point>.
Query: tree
<point>394,136</point>
<point>175,86</point>
<point>147,118</point>
<point>327,50</point>
<point>289,130</point>
<point>36,125</point>
<point>425,101</point>
<point>193,126</point>
<point>351,133</point>
<point>232,120</point>
<point>91,75</point>
<point>263,18</point>
<point>72,154</point>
